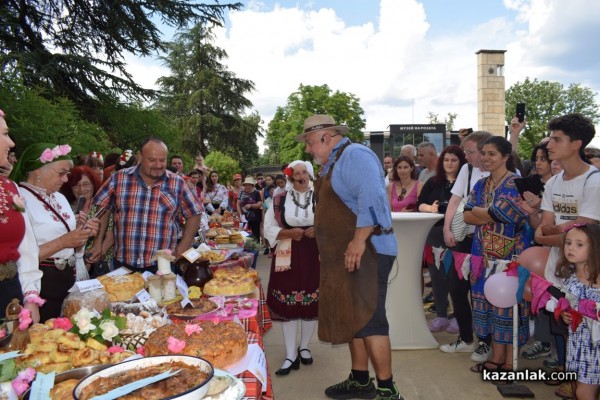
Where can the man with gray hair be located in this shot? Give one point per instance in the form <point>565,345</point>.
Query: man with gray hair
<point>409,150</point>
<point>427,155</point>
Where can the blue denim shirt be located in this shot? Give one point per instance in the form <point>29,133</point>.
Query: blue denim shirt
<point>358,180</point>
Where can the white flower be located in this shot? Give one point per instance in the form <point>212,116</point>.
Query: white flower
<point>83,314</point>
<point>85,326</point>
<point>109,330</point>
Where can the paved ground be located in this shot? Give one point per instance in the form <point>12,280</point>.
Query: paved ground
<point>419,374</point>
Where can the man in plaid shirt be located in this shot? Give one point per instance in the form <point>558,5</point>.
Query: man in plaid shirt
<point>146,202</point>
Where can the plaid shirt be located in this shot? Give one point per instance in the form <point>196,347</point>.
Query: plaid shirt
<point>146,217</point>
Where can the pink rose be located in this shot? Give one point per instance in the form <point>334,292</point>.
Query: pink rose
<point>115,349</point>
<point>18,203</point>
<point>141,351</point>
<point>169,252</point>
<point>65,149</point>
<point>192,328</point>
<point>20,386</point>
<point>24,319</point>
<point>298,297</point>
<point>56,152</point>
<point>62,323</point>
<point>47,156</point>
<point>28,374</point>
<point>35,299</point>
<point>175,346</point>
<point>215,320</point>
<point>2,333</point>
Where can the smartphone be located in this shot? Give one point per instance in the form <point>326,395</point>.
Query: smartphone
<point>100,213</point>
<point>80,204</point>
<point>520,111</point>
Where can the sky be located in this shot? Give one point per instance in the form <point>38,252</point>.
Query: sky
<point>401,58</point>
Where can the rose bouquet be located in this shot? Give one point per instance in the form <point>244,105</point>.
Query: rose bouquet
<point>103,327</point>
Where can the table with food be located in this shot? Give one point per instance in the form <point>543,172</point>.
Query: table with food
<point>143,336</point>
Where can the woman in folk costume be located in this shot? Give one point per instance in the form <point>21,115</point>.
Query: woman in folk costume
<point>293,290</point>
<point>20,276</point>
<point>61,236</point>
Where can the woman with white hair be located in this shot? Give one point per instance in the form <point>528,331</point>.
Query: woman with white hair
<point>293,290</point>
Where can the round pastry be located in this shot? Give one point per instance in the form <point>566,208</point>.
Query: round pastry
<point>93,300</point>
<point>235,271</point>
<point>220,344</point>
<point>201,306</point>
<point>229,286</point>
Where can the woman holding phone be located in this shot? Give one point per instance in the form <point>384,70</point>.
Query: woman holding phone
<point>61,235</point>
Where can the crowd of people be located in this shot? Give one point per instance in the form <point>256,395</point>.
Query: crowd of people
<point>331,243</point>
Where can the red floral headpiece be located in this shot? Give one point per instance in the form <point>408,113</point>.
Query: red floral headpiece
<point>288,172</point>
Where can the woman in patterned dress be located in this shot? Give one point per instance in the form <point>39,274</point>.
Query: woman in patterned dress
<point>293,290</point>
<point>499,235</point>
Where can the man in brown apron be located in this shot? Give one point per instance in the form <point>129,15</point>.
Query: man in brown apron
<point>357,249</point>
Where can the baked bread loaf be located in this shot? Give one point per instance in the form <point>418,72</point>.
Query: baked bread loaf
<point>235,272</point>
<point>93,300</point>
<point>122,287</point>
<point>220,344</point>
<point>63,390</point>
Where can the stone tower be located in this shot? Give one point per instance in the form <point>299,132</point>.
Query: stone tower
<point>490,91</point>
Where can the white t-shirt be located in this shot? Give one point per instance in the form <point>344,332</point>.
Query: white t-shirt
<point>568,200</point>
<point>460,185</point>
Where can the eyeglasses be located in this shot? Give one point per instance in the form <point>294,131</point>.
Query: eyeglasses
<point>62,173</point>
<point>402,194</point>
<point>85,185</point>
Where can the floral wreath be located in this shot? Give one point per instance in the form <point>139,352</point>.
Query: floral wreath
<point>48,155</point>
<point>125,157</point>
<point>97,155</point>
<point>288,172</point>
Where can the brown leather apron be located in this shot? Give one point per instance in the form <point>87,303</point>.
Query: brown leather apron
<point>347,300</point>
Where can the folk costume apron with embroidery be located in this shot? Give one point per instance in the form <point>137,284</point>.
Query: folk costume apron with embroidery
<point>347,300</point>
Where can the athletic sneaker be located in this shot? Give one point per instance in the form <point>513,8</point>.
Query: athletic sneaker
<point>458,347</point>
<point>481,353</point>
<point>387,394</point>
<point>351,389</point>
<point>551,363</point>
<point>538,349</point>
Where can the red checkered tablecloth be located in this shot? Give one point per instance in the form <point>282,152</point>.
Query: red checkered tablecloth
<point>254,389</point>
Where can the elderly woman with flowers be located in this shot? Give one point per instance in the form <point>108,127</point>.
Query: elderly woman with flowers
<point>61,237</point>
<point>20,276</point>
<point>293,290</point>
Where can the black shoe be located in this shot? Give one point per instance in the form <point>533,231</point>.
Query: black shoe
<point>428,298</point>
<point>266,252</point>
<point>284,371</point>
<point>432,308</point>
<point>306,361</point>
<point>352,389</point>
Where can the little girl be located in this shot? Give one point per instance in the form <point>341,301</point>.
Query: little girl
<point>580,269</point>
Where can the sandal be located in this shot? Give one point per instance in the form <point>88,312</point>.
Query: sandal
<point>480,367</point>
<point>504,368</point>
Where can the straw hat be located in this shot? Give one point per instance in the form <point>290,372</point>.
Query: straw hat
<point>249,181</point>
<point>320,122</point>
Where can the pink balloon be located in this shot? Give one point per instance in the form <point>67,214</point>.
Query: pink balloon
<point>501,290</point>
<point>534,259</point>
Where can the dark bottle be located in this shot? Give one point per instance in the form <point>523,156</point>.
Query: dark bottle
<point>197,273</point>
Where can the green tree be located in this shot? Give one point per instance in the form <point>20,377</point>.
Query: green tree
<point>75,48</point>
<point>288,121</point>
<point>33,118</point>
<point>207,101</point>
<point>434,118</point>
<point>545,100</point>
<point>223,164</point>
